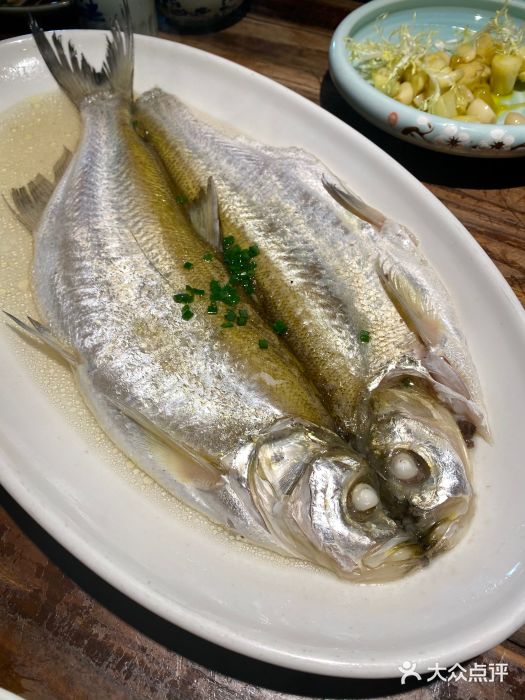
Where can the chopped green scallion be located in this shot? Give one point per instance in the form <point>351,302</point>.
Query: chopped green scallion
<point>207,257</point>
<point>194,290</point>
<point>212,309</point>
<point>240,264</point>
<point>183,298</point>
<point>187,265</point>
<point>227,324</point>
<point>230,315</point>
<point>229,295</point>
<point>279,327</point>
<point>263,343</point>
<point>187,313</point>
<point>181,199</point>
<point>364,336</point>
<point>215,290</point>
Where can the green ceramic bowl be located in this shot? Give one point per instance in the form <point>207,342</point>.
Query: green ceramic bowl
<point>408,123</point>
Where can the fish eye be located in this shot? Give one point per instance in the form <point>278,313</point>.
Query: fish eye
<point>363,497</point>
<point>408,467</point>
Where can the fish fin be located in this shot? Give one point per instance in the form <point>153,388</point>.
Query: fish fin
<point>30,201</point>
<point>60,166</point>
<point>76,76</point>
<point>469,415</point>
<point>204,215</point>
<point>418,309</point>
<point>414,304</point>
<point>197,471</point>
<point>350,201</point>
<point>38,330</point>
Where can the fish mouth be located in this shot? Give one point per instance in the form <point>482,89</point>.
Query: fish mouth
<point>394,558</point>
<point>445,528</point>
<point>443,534</point>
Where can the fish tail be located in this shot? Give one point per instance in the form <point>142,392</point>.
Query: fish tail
<point>76,76</point>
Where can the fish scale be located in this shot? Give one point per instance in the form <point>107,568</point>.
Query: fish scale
<point>351,247</point>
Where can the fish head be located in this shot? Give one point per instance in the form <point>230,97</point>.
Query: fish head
<point>322,502</point>
<point>422,461</point>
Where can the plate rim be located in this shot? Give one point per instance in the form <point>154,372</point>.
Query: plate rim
<point>72,539</point>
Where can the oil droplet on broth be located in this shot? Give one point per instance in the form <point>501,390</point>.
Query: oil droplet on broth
<point>33,134</point>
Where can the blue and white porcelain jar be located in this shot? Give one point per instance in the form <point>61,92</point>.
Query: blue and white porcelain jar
<point>197,13</point>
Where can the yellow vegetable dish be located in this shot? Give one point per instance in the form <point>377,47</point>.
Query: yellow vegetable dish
<point>469,78</point>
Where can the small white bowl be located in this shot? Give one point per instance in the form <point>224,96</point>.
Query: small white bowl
<point>408,123</point>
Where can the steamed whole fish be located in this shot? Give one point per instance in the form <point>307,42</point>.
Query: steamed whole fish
<point>111,247</point>
<point>362,305</point>
<point>321,265</point>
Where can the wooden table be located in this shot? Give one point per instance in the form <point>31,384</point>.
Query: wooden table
<point>65,633</point>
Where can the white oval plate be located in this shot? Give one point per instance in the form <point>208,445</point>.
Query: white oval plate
<point>462,604</point>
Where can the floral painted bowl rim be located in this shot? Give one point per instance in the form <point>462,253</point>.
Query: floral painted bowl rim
<point>448,135</point>
<point>218,8</point>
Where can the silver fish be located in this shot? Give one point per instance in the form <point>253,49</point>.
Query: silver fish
<point>363,306</point>
<point>236,431</point>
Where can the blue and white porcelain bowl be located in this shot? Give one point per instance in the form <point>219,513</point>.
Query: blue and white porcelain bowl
<point>195,13</point>
<point>408,123</point>
<point>100,14</point>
